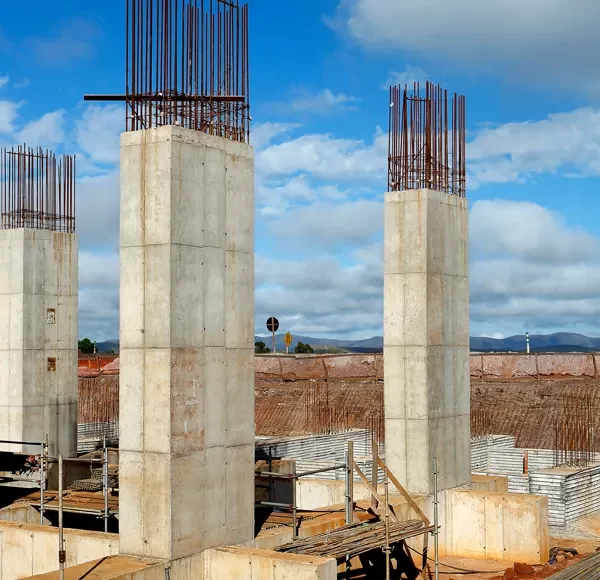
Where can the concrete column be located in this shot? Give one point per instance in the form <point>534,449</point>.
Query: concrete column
<point>38,339</point>
<point>187,343</point>
<point>426,339</point>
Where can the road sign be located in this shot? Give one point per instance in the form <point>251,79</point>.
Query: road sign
<point>287,339</point>
<point>273,327</point>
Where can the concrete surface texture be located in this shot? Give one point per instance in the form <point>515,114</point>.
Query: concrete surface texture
<point>426,338</point>
<point>496,526</point>
<point>224,563</point>
<point>187,342</point>
<point>38,339</point>
<point>33,549</point>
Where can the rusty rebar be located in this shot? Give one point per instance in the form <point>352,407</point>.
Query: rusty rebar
<point>187,64</point>
<point>37,189</point>
<point>574,433</point>
<point>420,154</point>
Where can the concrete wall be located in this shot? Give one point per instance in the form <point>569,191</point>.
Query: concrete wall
<point>224,563</point>
<point>496,526</point>
<point>29,549</point>
<point>21,513</point>
<point>38,339</point>
<point>187,342</point>
<point>426,338</point>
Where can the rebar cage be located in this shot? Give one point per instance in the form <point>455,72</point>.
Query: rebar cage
<point>37,189</point>
<point>187,65</point>
<point>420,153</point>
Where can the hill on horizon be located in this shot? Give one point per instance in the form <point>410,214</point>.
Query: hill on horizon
<point>557,342</point>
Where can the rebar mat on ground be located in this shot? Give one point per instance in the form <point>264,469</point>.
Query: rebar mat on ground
<point>86,485</point>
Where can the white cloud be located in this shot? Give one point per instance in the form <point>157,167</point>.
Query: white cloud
<point>410,75</point>
<point>47,130</point>
<point>98,130</point>
<point>9,112</point>
<point>564,142</point>
<point>263,133</point>
<point>22,84</point>
<point>326,157</point>
<point>98,211</point>
<point>275,198</point>
<point>545,41</point>
<point>320,295</point>
<point>530,269</point>
<point>4,81</point>
<point>323,102</point>
<point>328,225</point>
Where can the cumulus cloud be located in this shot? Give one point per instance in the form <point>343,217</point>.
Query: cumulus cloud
<point>410,75</point>
<point>530,269</point>
<point>264,133</point>
<point>9,112</point>
<point>97,133</point>
<point>273,197</point>
<point>538,41</point>
<point>326,224</point>
<point>324,101</point>
<point>328,158</point>
<point>568,143</point>
<point>47,130</point>
<point>98,211</point>
<point>320,296</point>
<point>99,295</point>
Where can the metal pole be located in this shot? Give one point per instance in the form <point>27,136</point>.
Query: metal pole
<point>273,338</point>
<point>105,485</point>
<point>387,531</point>
<point>350,483</point>
<point>347,490</point>
<point>436,526</point>
<point>294,481</point>
<point>61,543</point>
<point>527,341</point>
<point>42,483</point>
<point>374,472</point>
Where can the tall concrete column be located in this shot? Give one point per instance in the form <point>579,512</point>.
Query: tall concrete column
<point>38,339</point>
<point>426,339</point>
<point>187,342</point>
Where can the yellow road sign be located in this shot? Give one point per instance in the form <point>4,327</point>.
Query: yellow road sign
<point>287,339</point>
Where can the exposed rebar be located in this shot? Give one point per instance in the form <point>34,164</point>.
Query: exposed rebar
<point>427,148</point>
<point>37,189</point>
<point>187,64</point>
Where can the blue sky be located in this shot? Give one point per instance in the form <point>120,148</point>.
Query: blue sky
<point>319,72</point>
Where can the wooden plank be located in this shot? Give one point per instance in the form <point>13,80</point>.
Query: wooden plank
<point>405,494</point>
<point>372,490</point>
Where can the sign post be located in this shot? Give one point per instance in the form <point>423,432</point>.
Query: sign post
<point>273,327</point>
<point>288,341</point>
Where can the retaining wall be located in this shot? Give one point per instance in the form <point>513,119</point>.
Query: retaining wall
<point>31,549</point>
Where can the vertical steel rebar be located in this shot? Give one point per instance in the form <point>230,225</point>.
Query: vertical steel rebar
<point>436,525</point>
<point>387,528</point>
<point>37,190</point>
<point>42,481</point>
<point>294,507</point>
<point>419,155</point>
<point>61,542</point>
<point>105,483</point>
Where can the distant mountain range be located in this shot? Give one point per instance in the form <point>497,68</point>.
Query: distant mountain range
<point>558,342</point>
